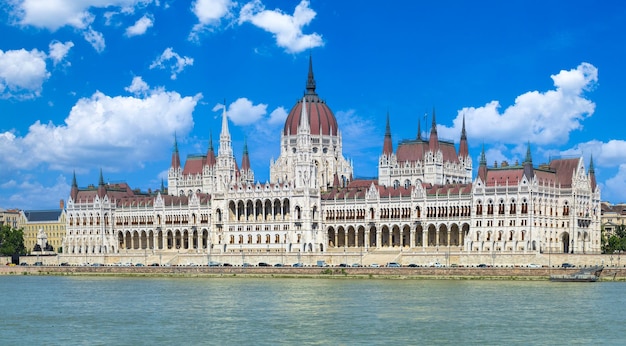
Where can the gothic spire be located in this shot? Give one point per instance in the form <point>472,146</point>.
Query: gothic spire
<point>175,156</point>
<point>224,122</point>
<point>101,181</point>
<point>592,174</point>
<point>304,119</point>
<point>463,149</point>
<point>419,129</point>
<point>74,189</point>
<point>210,156</point>
<point>387,143</point>
<point>101,188</point>
<point>433,142</point>
<point>528,158</point>
<point>482,168</point>
<point>529,171</point>
<point>310,82</point>
<point>245,161</point>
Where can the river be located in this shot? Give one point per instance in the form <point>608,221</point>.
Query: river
<point>57,310</point>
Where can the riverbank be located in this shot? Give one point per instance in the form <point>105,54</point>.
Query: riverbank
<point>611,274</point>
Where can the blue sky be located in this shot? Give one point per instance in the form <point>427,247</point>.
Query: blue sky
<point>94,84</point>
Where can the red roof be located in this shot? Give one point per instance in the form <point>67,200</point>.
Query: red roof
<point>194,164</point>
<point>320,117</point>
<point>414,150</point>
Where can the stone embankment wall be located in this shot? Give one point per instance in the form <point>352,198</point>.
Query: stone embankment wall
<point>511,273</point>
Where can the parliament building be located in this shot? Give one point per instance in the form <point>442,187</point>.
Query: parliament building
<point>425,200</point>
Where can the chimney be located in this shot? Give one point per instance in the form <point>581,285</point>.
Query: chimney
<point>61,204</point>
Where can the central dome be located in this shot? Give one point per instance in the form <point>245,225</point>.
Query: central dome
<point>322,121</point>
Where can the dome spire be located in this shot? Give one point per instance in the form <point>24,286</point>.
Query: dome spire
<point>310,82</point>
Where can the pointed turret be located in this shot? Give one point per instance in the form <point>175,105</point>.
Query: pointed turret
<point>102,191</point>
<point>529,171</point>
<point>74,190</point>
<point>592,174</point>
<point>210,155</point>
<point>463,150</point>
<point>433,142</point>
<point>245,161</point>
<point>419,129</point>
<point>224,122</point>
<point>162,187</point>
<point>482,168</point>
<point>310,82</point>
<point>175,155</point>
<point>304,126</point>
<point>387,144</point>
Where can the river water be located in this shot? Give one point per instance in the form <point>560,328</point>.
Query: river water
<point>56,310</point>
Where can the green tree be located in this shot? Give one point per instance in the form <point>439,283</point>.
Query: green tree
<point>11,241</point>
<point>616,241</point>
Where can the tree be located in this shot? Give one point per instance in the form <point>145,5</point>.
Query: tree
<point>11,241</point>
<point>615,241</point>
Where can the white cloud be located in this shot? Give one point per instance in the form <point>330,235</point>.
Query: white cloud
<point>209,14</point>
<point>31,194</point>
<point>613,188</point>
<point>58,51</point>
<point>103,131</point>
<point>95,39</point>
<point>176,63</point>
<point>287,29</point>
<point>539,117</point>
<point>243,112</point>
<point>22,73</point>
<point>138,87</point>
<point>53,14</point>
<point>140,27</point>
<point>278,116</point>
<point>605,154</point>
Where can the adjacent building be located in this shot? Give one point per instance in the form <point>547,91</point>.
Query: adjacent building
<point>44,230</point>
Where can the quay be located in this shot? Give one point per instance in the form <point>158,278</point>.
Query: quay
<point>450,273</point>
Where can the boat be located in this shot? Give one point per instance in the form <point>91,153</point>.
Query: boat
<point>584,275</point>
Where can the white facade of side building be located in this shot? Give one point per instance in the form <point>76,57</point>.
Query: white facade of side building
<point>424,200</point>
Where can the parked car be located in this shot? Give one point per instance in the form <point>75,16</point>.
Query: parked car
<point>567,265</point>
<point>298,265</point>
<point>355,265</point>
<point>436,265</point>
<point>533,265</point>
<point>214,264</point>
<point>412,265</point>
<point>39,264</point>
<point>263,264</point>
<point>343,265</point>
<point>246,264</point>
<point>393,265</point>
<point>374,265</point>
<point>482,265</point>
<point>278,265</point>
